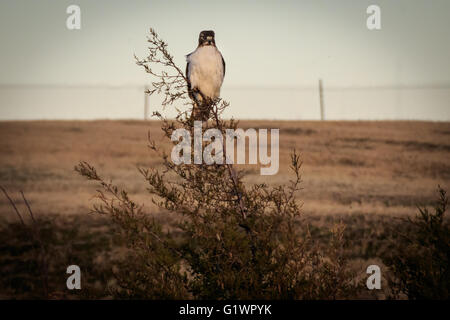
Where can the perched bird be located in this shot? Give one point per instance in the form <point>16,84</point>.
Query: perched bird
<point>205,71</point>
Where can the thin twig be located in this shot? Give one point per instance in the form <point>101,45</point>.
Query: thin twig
<point>28,206</point>
<point>13,205</point>
<point>34,235</point>
<point>37,237</point>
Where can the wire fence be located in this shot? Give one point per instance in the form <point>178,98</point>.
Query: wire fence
<point>282,103</point>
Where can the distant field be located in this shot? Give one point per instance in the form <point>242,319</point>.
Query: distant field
<point>349,167</point>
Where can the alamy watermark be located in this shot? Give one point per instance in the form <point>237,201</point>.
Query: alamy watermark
<point>73,21</point>
<point>374,280</point>
<point>74,280</point>
<point>221,149</point>
<point>373,21</point>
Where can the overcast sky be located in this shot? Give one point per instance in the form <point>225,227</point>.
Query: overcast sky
<point>265,43</point>
<point>273,50</point>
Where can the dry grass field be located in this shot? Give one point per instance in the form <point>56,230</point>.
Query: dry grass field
<point>348,167</point>
<point>363,173</point>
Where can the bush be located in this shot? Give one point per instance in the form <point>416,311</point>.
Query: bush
<point>420,259</point>
<point>237,241</point>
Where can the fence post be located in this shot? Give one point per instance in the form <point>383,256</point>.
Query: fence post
<point>146,98</point>
<point>322,106</point>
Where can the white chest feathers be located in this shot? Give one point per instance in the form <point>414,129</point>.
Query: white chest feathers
<point>206,71</point>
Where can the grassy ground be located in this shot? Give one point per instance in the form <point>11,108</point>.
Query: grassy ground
<point>364,173</point>
<point>349,167</point>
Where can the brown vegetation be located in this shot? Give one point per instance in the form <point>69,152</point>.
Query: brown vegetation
<point>361,173</point>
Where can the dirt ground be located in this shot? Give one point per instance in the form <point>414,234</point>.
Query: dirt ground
<point>378,167</point>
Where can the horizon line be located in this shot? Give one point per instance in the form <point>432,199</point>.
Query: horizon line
<point>233,87</point>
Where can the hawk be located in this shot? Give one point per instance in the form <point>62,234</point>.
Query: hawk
<point>205,71</point>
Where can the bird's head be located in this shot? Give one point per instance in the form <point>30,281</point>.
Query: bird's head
<point>206,38</point>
